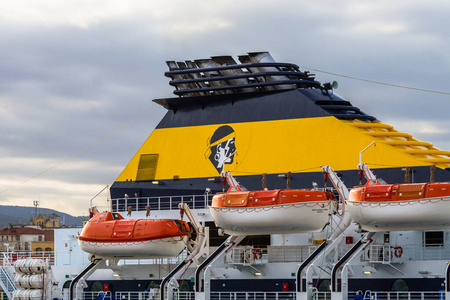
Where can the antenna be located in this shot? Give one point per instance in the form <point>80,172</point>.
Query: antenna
<point>35,204</point>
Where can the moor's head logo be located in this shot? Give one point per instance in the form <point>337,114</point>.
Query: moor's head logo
<point>221,147</point>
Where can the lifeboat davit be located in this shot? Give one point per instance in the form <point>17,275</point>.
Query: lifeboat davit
<point>378,206</point>
<point>241,212</point>
<point>110,235</point>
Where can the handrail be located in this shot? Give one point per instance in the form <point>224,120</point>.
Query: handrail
<point>230,67</point>
<point>6,261</point>
<point>402,294</point>
<point>8,258</point>
<point>415,252</point>
<point>188,295</point>
<point>388,134</point>
<point>371,125</point>
<point>406,143</point>
<point>7,283</point>
<point>161,202</point>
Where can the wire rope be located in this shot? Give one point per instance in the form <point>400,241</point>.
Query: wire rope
<point>378,82</point>
<point>78,153</point>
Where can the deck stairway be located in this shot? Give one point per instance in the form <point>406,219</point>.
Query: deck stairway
<point>7,276</point>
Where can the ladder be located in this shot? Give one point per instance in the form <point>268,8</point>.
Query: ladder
<point>6,278</point>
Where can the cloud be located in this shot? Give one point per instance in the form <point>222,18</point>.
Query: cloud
<point>61,195</point>
<point>75,71</point>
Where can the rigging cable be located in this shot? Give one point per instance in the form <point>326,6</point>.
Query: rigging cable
<point>378,82</point>
<point>80,152</point>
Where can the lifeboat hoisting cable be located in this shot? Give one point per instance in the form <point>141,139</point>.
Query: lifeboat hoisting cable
<point>92,209</point>
<point>226,176</point>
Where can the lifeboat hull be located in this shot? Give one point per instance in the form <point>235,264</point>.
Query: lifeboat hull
<point>160,248</point>
<point>384,207</point>
<point>286,218</point>
<point>431,213</point>
<point>110,235</point>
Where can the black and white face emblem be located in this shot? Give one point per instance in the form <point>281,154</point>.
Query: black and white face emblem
<point>221,147</point>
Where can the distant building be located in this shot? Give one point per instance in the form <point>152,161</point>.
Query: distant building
<point>21,239</point>
<point>46,221</point>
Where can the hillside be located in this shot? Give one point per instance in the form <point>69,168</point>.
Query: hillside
<point>21,215</point>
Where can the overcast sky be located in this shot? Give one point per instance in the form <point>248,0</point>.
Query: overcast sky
<point>72,72</point>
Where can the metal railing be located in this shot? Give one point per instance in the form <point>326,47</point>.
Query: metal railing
<point>323,296</point>
<point>435,252</point>
<point>252,295</point>
<point>379,253</point>
<point>7,282</point>
<point>161,203</point>
<point>143,295</point>
<point>246,255</point>
<point>388,253</point>
<point>188,295</point>
<point>7,275</point>
<point>400,295</point>
<point>375,253</point>
<point>289,253</point>
<point>94,295</point>
<point>155,261</point>
<point>184,295</point>
<point>8,258</point>
<point>53,258</point>
<point>298,253</point>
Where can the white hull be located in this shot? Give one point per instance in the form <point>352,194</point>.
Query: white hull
<point>431,213</point>
<point>167,247</point>
<point>287,218</point>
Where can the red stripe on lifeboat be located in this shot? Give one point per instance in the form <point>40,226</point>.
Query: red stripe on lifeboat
<point>239,198</point>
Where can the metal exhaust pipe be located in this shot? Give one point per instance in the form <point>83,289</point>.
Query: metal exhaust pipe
<point>226,61</point>
<point>208,63</point>
<point>265,57</point>
<point>183,65</point>
<point>191,65</point>
<point>245,59</point>
<point>181,86</point>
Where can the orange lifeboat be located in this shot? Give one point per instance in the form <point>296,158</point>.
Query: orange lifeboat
<point>110,235</point>
<point>378,206</point>
<point>242,212</point>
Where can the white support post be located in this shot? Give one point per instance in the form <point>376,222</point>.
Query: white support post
<point>209,262</point>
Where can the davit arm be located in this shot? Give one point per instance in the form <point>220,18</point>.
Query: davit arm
<point>344,194</point>
<point>368,174</point>
<point>230,179</point>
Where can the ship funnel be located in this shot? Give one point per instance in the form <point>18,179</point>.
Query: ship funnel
<point>265,57</point>
<point>219,75</point>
